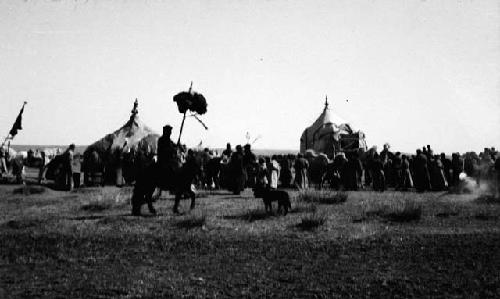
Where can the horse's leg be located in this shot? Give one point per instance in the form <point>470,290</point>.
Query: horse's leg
<point>149,200</point>
<point>137,200</point>
<point>193,199</point>
<point>178,196</point>
<point>136,206</point>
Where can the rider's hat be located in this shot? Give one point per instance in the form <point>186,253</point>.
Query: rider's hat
<point>167,128</point>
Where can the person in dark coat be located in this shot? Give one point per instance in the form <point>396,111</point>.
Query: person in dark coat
<point>238,171</point>
<point>67,168</point>
<point>406,177</point>
<point>396,171</point>
<point>422,179</point>
<point>353,172</point>
<point>250,164</point>
<point>457,167</point>
<point>339,167</point>
<point>286,171</point>
<point>228,152</point>
<point>301,166</point>
<point>497,170</point>
<point>438,179</point>
<point>378,174</point>
<point>447,168</point>
<point>168,161</point>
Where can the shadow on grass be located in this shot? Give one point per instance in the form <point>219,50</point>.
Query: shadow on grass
<point>322,197</point>
<point>250,216</point>
<point>193,220</point>
<point>485,217</point>
<point>22,224</point>
<point>29,190</point>
<point>488,199</point>
<point>446,214</point>
<point>207,193</point>
<point>87,217</point>
<point>95,207</point>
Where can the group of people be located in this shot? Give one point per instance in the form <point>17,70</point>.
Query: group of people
<point>240,168</point>
<point>422,171</point>
<point>427,171</point>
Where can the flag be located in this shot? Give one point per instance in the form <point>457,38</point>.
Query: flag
<point>18,123</point>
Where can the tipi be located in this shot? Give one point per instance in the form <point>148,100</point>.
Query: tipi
<point>331,134</point>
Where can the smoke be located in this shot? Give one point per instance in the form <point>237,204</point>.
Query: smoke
<point>469,185</point>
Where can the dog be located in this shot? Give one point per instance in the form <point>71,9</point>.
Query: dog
<point>269,195</point>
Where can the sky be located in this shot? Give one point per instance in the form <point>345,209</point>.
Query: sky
<point>409,73</point>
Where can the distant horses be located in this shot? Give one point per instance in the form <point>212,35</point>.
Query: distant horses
<point>178,182</point>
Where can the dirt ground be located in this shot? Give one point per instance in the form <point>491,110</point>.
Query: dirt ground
<point>85,244</point>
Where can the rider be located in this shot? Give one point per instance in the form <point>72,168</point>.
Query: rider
<point>168,160</point>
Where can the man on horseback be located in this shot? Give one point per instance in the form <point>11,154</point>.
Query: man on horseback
<point>168,159</point>
<point>168,173</point>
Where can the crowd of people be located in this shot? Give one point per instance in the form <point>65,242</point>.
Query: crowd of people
<point>239,168</point>
<point>422,171</point>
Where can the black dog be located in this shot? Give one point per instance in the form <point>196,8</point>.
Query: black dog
<point>269,195</point>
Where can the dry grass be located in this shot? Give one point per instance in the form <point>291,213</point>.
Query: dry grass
<point>48,239</point>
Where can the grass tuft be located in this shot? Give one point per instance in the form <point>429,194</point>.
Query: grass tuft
<point>301,206</point>
<point>312,221</point>
<point>395,210</point>
<point>322,196</point>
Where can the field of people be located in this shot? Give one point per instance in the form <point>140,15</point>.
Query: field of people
<point>86,244</point>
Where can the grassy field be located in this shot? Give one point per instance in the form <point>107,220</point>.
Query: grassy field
<point>85,244</point>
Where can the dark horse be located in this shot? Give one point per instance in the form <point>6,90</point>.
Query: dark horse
<point>178,182</point>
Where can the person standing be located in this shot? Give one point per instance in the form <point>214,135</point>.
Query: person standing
<point>42,167</point>
<point>274,171</point>
<point>250,164</point>
<point>497,170</point>
<point>378,174</point>
<point>422,178</point>
<point>301,166</point>
<point>228,152</point>
<point>406,178</point>
<point>457,167</point>
<point>67,167</point>
<point>238,171</point>
<point>261,181</point>
<point>3,164</point>
<point>397,171</point>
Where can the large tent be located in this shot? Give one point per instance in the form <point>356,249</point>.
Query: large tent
<point>106,153</point>
<point>331,134</point>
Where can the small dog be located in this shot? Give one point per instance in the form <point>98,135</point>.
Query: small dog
<point>269,195</point>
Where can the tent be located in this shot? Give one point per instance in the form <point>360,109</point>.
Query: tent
<point>330,134</point>
<point>133,139</point>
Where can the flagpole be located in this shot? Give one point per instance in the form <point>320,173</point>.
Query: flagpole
<point>17,125</point>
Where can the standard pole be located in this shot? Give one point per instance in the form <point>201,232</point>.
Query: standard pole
<point>182,126</point>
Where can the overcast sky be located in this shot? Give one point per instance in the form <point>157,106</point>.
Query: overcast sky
<point>405,72</point>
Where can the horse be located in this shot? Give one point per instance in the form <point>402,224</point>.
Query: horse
<point>177,182</point>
